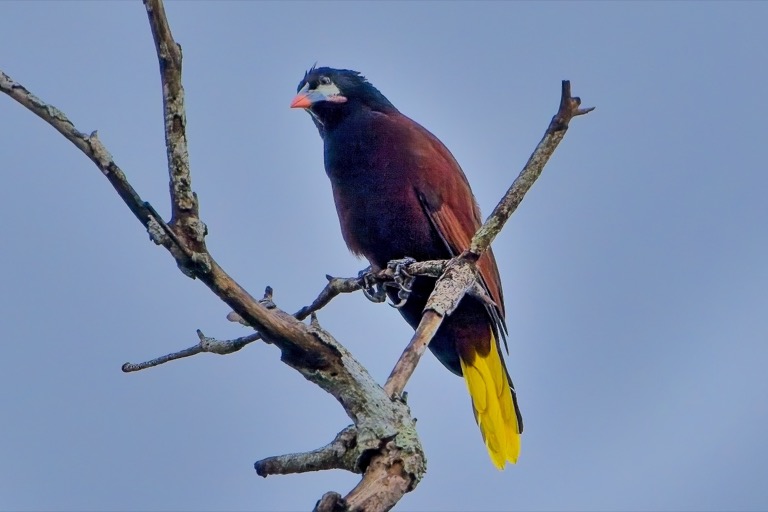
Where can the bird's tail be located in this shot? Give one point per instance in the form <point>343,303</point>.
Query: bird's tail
<point>495,409</point>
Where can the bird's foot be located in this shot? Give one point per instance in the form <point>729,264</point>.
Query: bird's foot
<point>403,281</point>
<point>372,289</point>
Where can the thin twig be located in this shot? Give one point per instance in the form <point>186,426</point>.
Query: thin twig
<point>206,344</point>
<point>569,108</point>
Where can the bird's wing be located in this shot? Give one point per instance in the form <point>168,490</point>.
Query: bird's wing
<point>457,239</point>
<point>448,203</point>
<point>453,211</point>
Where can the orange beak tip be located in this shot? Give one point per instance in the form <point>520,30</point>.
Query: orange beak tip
<point>301,101</point>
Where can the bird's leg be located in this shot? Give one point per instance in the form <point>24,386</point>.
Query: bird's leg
<point>372,289</point>
<point>403,281</point>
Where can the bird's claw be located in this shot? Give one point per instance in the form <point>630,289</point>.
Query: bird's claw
<point>377,294</point>
<point>372,289</point>
<point>403,281</point>
<point>402,296</point>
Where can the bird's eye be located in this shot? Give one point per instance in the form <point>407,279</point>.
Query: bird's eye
<point>324,80</point>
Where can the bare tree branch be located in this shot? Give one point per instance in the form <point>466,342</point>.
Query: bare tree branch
<point>569,108</point>
<point>183,200</point>
<point>88,144</point>
<point>206,344</point>
<point>338,454</point>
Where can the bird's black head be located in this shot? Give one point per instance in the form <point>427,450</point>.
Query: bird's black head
<point>330,94</point>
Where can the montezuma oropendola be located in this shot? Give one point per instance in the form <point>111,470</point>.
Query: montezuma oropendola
<point>400,193</point>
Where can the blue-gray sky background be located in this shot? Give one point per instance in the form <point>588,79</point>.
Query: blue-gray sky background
<point>634,272</point>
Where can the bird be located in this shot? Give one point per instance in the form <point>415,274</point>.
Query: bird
<point>400,193</point>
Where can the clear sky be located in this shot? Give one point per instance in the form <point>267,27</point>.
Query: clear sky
<point>634,272</point>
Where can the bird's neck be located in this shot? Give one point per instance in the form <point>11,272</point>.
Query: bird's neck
<point>350,144</point>
<point>329,116</point>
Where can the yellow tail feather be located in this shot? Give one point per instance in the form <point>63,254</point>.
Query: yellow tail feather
<point>492,402</point>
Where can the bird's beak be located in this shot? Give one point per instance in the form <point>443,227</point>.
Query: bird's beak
<point>306,97</point>
<point>301,101</point>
